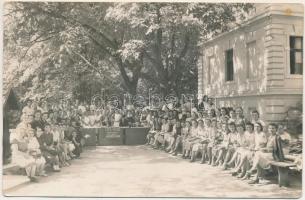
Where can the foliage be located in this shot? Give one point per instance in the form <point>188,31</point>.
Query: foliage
<point>51,47</point>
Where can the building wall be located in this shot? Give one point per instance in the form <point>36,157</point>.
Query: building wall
<point>262,79</point>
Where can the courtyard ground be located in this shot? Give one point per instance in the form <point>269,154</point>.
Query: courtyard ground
<point>139,171</point>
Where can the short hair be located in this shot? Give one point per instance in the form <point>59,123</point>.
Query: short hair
<point>225,109</point>
<point>274,125</point>
<point>261,126</point>
<point>250,124</point>
<point>194,121</point>
<point>255,111</point>
<point>188,122</point>
<point>241,125</point>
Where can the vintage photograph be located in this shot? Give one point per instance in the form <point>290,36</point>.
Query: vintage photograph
<point>152,99</point>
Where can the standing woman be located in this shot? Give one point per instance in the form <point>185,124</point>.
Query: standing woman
<point>117,118</point>
<point>239,116</point>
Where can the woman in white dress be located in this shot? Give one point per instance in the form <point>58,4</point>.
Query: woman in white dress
<point>117,118</point>
<point>19,146</point>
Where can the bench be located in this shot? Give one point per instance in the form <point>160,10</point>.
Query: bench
<point>283,169</point>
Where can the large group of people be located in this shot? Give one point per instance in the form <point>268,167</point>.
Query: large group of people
<point>50,135</point>
<point>44,138</point>
<point>221,137</point>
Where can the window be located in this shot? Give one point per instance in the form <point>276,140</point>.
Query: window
<point>211,65</point>
<point>296,55</point>
<point>251,60</point>
<point>229,65</point>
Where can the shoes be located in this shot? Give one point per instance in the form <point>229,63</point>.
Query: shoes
<point>43,174</point>
<point>56,168</point>
<point>202,162</point>
<point>33,179</point>
<point>253,181</point>
<point>241,175</point>
<point>224,167</point>
<point>234,173</point>
<point>247,175</point>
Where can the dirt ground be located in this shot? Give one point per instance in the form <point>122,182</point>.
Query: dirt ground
<point>139,171</point>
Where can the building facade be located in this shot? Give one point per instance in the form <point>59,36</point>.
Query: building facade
<point>258,65</point>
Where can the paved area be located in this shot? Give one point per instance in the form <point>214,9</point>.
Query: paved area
<point>139,171</point>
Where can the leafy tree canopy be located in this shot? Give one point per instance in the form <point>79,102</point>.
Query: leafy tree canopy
<point>50,46</point>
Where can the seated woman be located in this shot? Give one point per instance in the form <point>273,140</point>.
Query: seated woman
<point>175,133</point>
<point>191,139</point>
<point>47,148</point>
<point>76,142</point>
<point>65,143</point>
<point>156,127</point>
<point>265,155</point>
<point>221,148</point>
<point>231,146</point>
<point>159,137</point>
<point>143,116</point>
<point>246,152</point>
<point>201,144</point>
<point>240,145</point>
<point>34,151</point>
<point>168,137</point>
<point>20,156</point>
<point>56,141</point>
<point>185,131</point>
<point>213,140</point>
